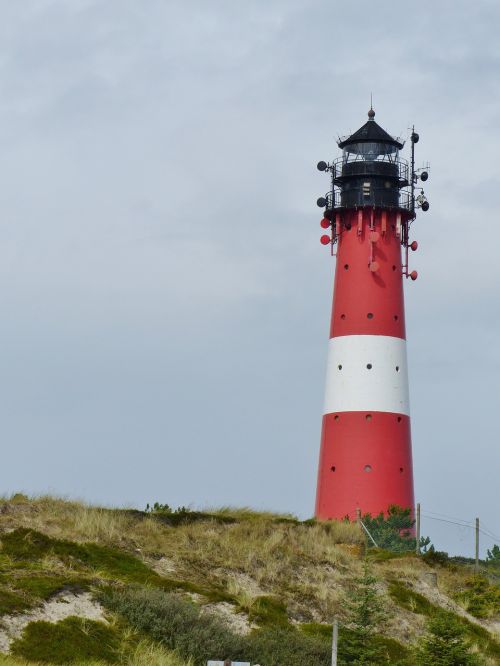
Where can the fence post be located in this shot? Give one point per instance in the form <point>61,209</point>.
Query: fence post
<point>476,566</point>
<point>417,548</point>
<point>335,640</point>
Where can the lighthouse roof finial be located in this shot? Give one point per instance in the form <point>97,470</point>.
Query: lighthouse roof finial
<point>371,112</point>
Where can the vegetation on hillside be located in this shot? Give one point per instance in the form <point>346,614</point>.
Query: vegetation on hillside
<point>180,586</point>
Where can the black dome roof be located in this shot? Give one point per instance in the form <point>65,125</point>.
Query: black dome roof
<point>370,131</point>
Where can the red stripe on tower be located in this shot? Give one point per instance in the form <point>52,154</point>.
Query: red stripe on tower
<point>365,458</point>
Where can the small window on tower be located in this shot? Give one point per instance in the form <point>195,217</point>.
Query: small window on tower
<point>366,189</point>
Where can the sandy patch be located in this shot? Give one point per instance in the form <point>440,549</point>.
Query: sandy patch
<point>61,606</point>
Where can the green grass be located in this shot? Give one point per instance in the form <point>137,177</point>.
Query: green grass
<point>28,545</point>
<point>412,601</point>
<point>12,603</point>
<point>268,611</point>
<point>480,597</point>
<point>43,587</point>
<point>68,641</point>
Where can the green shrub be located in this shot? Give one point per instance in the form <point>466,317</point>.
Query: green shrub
<point>176,623</point>
<point>393,530</point>
<point>493,556</point>
<point>279,646</point>
<point>387,649</point>
<point>445,644</point>
<point>183,516</point>
<point>432,557</point>
<point>68,641</point>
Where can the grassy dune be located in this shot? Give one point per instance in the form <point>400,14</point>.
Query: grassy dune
<point>248,574</point>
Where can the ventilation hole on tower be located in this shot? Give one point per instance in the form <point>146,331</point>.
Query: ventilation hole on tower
<point>368,417</point>
<point>397,368</point>
<point>393,267</point>
<point>370,315</point>
<point>400,470</point>
<point>399,419</point>
<point>339,367</point>
<point>346,267</point>
<point>336,417</point>
<point>368,468</point>
<point>342,316</point>
<point>333,468</point>
<point>396,317</point>
<point>369,366</point>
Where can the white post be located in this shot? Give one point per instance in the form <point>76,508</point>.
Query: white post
<point>335,641</point>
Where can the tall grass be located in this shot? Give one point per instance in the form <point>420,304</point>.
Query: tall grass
<point>145,654</point>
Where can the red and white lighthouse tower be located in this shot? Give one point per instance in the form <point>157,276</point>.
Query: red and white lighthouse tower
<point>365,459</point>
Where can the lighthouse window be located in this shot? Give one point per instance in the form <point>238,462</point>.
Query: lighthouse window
<point>368,468</point>
<point>340,367</point>
<point>370,315</point>
<point>333,468</point>
<point>366,189</point>
<point>369,366</point>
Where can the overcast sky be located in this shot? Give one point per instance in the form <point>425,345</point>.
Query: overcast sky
<point>164,299</point>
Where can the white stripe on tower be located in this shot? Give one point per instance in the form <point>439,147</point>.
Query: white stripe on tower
<point>367,373</point>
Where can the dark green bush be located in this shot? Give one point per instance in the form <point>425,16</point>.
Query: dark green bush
<point>392,531</point>
<point>68,641</point>
<point>446,644</point>
<point>435,557</point>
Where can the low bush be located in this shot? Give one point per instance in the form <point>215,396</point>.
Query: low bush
<point>279,646</point>
<point>67,642</point>
<point>176,623</point>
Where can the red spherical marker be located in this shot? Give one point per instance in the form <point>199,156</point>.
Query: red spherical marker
<point>325,224</point>
<point>325,240</point>
<point>365,456</point>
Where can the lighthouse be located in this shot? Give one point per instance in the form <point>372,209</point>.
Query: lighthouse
<point>365,453</point>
